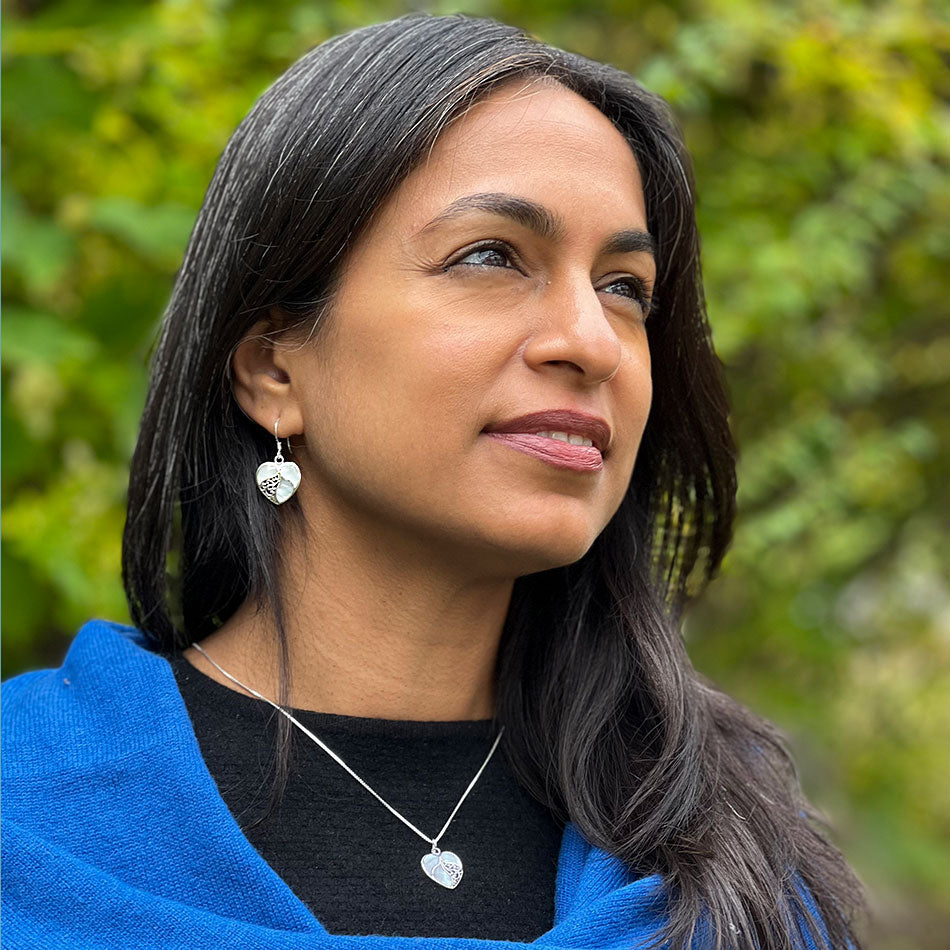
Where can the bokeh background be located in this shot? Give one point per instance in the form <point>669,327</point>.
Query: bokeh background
<point>821,141</point>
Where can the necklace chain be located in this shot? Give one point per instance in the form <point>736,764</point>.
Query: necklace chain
<point>433,841</point>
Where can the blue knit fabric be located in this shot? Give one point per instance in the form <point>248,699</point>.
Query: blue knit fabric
<point>115,835</point>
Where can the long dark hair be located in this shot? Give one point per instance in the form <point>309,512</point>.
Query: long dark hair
<point>607,722</point>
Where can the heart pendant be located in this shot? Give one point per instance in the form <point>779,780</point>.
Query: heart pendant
<point>278,480</point>
<point>443,867</point>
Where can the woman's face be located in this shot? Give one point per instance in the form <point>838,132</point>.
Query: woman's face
<point>496,303</point>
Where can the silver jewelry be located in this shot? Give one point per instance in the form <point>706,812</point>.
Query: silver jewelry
<point>278,480</point>
<point>443,867</point>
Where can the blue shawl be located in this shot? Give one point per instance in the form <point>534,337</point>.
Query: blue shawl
<point>115,835</point>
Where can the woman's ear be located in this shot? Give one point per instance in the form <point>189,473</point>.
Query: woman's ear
<point>260,381</point>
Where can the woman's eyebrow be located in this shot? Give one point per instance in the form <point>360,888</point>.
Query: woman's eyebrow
<point>535,217</point>
<point>633,240</point>
<point>530,214</point>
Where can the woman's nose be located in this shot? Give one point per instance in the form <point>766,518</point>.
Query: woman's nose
<point>574,332</point>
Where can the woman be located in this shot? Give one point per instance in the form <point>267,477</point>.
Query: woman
<point>454,274</point>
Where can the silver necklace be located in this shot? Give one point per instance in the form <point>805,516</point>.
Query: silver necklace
<point>443,867</point>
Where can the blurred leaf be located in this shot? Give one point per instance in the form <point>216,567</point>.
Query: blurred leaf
<point>40,250</point>
<point>34,338</point>
<point>157,232</point>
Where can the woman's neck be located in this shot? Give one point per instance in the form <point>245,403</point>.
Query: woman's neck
<point>378,634</point>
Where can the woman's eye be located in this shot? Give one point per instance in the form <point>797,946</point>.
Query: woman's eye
<point>631,287</point>
<point>492,255</point>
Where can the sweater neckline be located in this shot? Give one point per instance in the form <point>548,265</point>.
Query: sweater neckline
<point>335,723</point>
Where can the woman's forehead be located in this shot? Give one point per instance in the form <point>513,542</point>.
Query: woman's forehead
<point>537,140</point>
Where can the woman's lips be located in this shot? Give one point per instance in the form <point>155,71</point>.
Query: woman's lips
<point>577,458</point>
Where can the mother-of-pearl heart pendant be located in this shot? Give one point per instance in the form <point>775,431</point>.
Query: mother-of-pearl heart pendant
<point>278,480</point>
<point>443,867</point>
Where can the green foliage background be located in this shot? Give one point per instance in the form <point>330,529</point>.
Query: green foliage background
<point>821,140</point>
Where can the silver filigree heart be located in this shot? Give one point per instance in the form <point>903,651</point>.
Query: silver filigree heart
<point>443,867</point>
<point>278,480</point>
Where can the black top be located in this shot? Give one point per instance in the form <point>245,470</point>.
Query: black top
<point>352,862</point>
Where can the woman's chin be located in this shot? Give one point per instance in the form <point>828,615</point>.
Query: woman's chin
<point>532,551</point>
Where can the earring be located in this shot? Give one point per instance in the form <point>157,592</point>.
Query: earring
<point>278,480</point>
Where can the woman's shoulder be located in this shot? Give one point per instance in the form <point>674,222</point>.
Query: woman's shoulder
<point>100,702</point>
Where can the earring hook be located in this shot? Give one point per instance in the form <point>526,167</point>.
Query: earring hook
<point>278,458</point>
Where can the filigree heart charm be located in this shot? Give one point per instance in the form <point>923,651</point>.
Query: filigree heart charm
<point>278,480</point>
<point>443,867</point>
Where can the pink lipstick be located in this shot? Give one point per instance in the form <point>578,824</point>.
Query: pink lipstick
<point>547,435</point>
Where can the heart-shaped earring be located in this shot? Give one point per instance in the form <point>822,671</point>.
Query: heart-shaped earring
<point>278,480</point>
